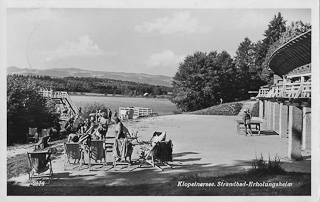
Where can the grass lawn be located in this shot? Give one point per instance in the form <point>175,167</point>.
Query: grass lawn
<point>226,109</point>
<point>300,185</point>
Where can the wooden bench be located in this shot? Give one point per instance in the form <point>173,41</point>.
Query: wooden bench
<point>254,122</point>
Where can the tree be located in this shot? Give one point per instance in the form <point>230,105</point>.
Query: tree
<point>275,28</point>
<point>248,73</point>
<point>201,80</point>
<point>26,108</point>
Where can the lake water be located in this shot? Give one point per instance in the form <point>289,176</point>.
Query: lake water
<point>160,106</point>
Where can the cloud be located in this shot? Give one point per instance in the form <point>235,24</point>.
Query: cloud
<point>85,47</point>
<point>165,58</point>
<point>181,22</point>
<point>251,19</point>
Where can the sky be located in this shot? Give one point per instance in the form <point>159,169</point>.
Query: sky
<point>136,40</point>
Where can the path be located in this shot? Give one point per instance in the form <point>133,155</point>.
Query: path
<point>246,105</point>
<point>203,145</point>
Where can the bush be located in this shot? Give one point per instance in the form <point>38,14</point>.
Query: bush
<point>226,109</point>
<point>92,108</point>
<point>26,108</point>
<point>177,111</point>
<point>266,167</point>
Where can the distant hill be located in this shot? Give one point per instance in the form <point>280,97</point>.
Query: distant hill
<point>75,72</point>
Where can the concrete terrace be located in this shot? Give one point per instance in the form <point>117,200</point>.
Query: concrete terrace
<point>203,145</point>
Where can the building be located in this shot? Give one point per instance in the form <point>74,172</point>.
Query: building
<point>286,105</point>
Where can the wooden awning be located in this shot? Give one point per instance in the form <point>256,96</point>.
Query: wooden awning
<point>291,55</point>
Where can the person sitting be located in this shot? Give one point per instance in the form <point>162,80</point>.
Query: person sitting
<point>161,136</point>
<point>69,125</point>
<point>73,137</point>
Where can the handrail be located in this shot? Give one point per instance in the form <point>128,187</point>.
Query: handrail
<point>60,94</point>
<point>287,90</point>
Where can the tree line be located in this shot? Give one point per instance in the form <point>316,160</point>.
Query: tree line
<point>205,79</point>
<point>95,85</point>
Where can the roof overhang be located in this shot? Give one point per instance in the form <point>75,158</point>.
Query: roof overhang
<point>295,53</point>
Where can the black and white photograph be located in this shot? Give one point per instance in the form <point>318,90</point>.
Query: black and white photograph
<point>152,98</point>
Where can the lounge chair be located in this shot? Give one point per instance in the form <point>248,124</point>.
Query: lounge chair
<point>97,152</point>
<point>40,163</point>
<point>74,151</point>
<point>32,135</point>
<point>157,151</point>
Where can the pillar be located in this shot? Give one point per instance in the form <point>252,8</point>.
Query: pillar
<point>265,109</point>
<point>261,114</point>
<point>306,128</point>
<point>267,113</point>
<point>283,121</point>
<point>270,115</point>
<point>276,114</point>
<point>295,133</point>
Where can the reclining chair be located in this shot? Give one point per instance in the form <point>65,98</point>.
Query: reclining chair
<point>40,163</point>
<point>97,152</point>
<point>73,151</point>
<point>156,151</point>
<point>32,135</point>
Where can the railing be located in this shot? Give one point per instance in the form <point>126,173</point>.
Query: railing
<point>63,95</point>
<point>139,111</point>
<point>263,92</point>
<point>287,90</point>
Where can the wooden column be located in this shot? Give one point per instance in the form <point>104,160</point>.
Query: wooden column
<point>283,121</point>
<point>295,133</point>
<point>306,128</point>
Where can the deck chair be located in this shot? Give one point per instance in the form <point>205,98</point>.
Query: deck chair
<point>108,146</point>
<point>156,150</point>
<point>97,152</point>
<point>158,155</point>
<point>73,151</point>
<point>40,165</point>
<point>32,135</point>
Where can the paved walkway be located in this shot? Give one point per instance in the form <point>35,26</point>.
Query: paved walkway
<point>203,145</point>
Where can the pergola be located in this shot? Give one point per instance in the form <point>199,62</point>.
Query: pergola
<point>292,62</point>
<point>286,105</point>
<point>293,54</point>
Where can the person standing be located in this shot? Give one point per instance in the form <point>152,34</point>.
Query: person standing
<point>247,121</point>
<point>109,116</point>
<point>122,148</point>
<point>103,125</point>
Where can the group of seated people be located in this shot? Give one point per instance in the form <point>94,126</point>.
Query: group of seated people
<point>96,129</point>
